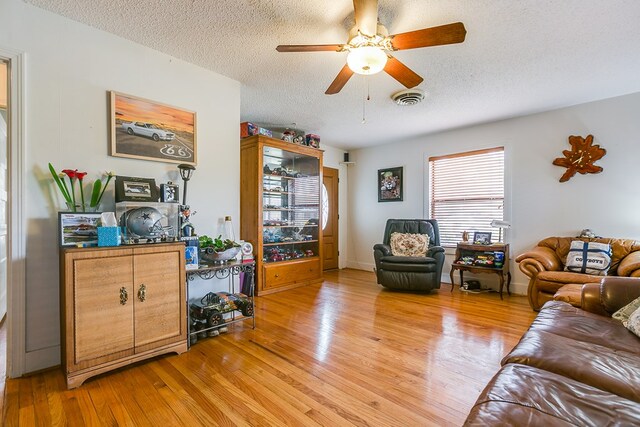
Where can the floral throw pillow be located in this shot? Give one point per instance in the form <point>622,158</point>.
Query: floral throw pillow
<point>625,312</point>
<point>407,244</point>
<point>634,322</point>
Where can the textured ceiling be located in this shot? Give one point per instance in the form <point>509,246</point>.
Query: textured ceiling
<point>519,57</point>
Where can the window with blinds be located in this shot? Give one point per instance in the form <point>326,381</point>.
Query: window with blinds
<point>304,198</point>
<point>466,193</point>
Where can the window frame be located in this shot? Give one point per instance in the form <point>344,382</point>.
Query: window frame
<point>505,191</point>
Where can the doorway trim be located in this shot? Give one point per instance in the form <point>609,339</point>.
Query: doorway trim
<point>16,254</point>
<point>334,206</point>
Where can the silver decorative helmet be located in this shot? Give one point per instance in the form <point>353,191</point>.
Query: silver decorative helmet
<point>143,222</point>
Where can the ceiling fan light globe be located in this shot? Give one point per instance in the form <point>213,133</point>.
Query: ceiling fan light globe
<point>366,60</point>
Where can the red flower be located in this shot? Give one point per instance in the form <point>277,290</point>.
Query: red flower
<point>70,173</point>
<point>80,175</point>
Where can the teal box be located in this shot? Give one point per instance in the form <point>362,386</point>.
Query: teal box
<point>108,236</point>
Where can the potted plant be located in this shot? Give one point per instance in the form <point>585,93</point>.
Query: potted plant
<point>69,191</point>
<point>218,250</point>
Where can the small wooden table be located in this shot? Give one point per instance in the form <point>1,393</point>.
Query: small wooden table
<point>464,249</point>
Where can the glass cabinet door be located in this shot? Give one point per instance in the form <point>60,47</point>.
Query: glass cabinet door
<point>290,205</point>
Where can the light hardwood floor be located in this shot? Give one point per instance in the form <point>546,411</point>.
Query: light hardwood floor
<point>345,352</point>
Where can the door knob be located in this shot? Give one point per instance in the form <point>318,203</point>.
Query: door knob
<point>142,293</point>
<point>124,295</point>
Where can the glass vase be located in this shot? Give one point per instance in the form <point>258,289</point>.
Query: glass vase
<point>79,207</point>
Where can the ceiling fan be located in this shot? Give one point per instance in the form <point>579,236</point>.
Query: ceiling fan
<point>370,44</point>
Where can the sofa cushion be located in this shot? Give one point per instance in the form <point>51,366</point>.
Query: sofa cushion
<point>522,395</point>
<point>604,368</point>
<point>551,281</point>
<point>406,263</point>
<point>588,258</point>
<point>409,244</point>
<point>562,319</point>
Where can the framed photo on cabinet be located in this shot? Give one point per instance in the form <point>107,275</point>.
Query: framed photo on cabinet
<point>481,238</point>
<point>390,185</point>
<point>134,189</point>
<point>78,228</point>
<point>149,130</point>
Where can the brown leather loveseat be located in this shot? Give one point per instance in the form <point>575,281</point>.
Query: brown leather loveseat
<point>572,367</point>
<point>544,265</point>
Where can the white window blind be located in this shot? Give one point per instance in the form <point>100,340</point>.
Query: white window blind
<point>305,196</point>
<point>467,193</point>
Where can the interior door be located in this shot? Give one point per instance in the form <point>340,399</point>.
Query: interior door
<point>330,214</point>
<point>4,205</point>
<point>159,299</point>
<point>103,311</point>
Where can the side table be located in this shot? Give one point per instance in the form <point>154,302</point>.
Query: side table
<point>470,253</point>
<point>230,270</point>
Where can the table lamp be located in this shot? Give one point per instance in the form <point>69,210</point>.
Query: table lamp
<point>500,225</point>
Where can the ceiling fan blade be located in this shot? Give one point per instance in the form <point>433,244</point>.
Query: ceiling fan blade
<point>341,79</point>
<point>434,36</point>
<point>309,47</point>
<point>402,73</point>
<point>366,16</point>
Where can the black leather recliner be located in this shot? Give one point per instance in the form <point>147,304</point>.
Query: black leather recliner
<point>410,273</point>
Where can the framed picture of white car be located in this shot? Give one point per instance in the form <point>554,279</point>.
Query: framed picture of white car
<point>134,189</point>
<point>149,130</point>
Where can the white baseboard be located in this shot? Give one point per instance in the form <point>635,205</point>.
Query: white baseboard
<point>365,266</point>
<point>42,359</point>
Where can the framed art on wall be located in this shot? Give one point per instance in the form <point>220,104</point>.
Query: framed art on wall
<point>149,130</point>
<point>78,228</point>
<point>390,185</point>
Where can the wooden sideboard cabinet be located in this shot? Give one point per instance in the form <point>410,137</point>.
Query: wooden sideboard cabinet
<point>120,305</point>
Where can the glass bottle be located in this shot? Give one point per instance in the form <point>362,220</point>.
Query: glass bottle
<point>228,229</point>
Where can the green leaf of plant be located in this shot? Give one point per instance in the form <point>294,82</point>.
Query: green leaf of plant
<point>95,193</point>
<point>56,178</point>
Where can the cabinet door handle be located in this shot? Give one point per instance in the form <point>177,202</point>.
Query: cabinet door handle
<point>142,293</point>
<point>124,295</point>
<point>277,275</point>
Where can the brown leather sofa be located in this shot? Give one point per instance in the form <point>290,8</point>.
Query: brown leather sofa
<point>572,367</point>
<point>544,265</point>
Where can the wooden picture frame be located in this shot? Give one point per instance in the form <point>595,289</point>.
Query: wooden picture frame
<point>134,189</point>
<point>78,228</point>
<point>482,238</point>
<point>390,184</point>
<point>149,130</point>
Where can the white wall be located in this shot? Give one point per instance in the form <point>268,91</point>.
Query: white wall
<point>537,204</point>
<point>70,68</point>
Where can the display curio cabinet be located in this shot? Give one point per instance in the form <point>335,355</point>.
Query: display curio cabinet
<point>280,211</point>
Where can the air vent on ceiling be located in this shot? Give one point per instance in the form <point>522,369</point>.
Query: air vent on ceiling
<point>408,97</point>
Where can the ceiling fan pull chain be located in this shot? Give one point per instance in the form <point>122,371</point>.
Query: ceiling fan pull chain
<point>365,89</point>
